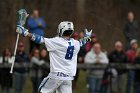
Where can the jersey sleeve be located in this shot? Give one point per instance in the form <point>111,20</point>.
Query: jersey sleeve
<point>50,44</point>
<point>78,43</point>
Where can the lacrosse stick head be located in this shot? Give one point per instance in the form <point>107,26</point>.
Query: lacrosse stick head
<point>22,16</point>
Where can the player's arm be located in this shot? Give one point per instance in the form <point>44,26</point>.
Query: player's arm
<point>86,37</point>
<point>34,37</point>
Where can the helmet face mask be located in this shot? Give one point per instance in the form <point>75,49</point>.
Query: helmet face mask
<point>65,28</point>
<point>67,32</point>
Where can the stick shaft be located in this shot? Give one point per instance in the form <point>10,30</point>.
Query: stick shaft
<point>13,61</point>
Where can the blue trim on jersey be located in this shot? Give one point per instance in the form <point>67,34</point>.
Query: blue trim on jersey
<point>69,43</point>
<point>39,89</point>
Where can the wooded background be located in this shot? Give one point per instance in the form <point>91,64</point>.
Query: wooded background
<point>105,17</point>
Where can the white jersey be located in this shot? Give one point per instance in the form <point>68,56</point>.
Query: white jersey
<point>63,55</point>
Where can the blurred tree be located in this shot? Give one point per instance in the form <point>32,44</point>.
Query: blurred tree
<point>106,17</point>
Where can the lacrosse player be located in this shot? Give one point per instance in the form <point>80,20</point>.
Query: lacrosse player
<point>63,52</point>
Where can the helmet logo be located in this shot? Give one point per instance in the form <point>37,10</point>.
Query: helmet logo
<point>69,25</point>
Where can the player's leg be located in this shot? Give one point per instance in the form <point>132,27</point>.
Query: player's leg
<point>49,85</point>
<point>65,87</point>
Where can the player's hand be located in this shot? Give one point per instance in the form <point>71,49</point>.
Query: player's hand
<point>87,33</point>
<point>21,30</point>
<point>87,38</point>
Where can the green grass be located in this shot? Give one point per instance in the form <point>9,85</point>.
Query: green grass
<point>81,84</point>
<point>28,86</point>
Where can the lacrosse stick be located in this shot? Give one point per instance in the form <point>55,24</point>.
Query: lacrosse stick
<point>21,21</point>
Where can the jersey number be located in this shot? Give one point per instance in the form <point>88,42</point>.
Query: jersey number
<point>69,53</point>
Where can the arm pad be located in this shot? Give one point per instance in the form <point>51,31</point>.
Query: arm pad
<point>37,38</point>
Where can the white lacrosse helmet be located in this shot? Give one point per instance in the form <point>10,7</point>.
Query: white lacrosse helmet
<point>65,28</point>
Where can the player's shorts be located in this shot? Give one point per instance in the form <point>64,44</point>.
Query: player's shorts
<point>49,85</point>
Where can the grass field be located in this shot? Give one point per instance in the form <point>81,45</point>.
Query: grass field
<point>81,84</point>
